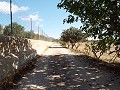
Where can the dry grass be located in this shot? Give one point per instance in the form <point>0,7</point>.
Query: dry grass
<point>87,51</point>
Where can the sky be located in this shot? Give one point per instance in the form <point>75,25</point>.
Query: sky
<point>44,14</point>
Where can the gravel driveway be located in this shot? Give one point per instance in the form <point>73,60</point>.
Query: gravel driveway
<point>60,69</point>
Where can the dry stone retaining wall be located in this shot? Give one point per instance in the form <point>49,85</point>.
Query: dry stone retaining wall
<point>14,52</point>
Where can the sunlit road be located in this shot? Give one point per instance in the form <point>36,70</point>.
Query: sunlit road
<point>60,69</point>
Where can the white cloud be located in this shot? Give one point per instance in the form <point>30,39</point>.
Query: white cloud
<point>34,17</point>
<point>5,8</point>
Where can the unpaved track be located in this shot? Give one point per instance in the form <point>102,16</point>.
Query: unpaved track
<point>60,69</point>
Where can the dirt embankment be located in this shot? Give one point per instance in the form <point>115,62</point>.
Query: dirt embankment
<point>40,46</point>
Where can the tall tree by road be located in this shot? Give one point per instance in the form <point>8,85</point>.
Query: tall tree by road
<point>100,18</point>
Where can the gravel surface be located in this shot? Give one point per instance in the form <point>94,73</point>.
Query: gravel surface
<point>61,69</point>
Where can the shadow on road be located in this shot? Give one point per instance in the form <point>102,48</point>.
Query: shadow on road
<point>57,47</point>
<point>70,72</point>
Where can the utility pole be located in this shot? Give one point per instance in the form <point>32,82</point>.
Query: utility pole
<point>38,32</point>
<point>42,34</point>
<point>11,16</point>
<point>31,27</point>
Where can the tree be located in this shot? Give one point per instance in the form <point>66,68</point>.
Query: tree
<point>100,18</point>
<point>18,30</point>
<point>28,34</point>
<point>72,36</point>
<point>1,29</point>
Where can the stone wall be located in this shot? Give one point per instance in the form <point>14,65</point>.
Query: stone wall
<point>14,52</point>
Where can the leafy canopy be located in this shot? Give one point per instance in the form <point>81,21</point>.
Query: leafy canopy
<point>100,18</point>
<point>71,35</point>
<point>18,30</point>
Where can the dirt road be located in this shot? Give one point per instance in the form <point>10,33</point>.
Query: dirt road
<point>60,69</point>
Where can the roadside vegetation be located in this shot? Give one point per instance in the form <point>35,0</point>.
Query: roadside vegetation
<point>19,31</point>
<point>101,21</point>
<point>71,36</point>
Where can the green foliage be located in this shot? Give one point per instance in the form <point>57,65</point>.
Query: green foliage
<point>56,40</point>
<point>18,30</point>
<point>6,31</point>
<point>30,34</point>
<point>100,18</point>
<point>1,29</point>
<point>27,34</point>
<point>71,35</point>
<point>62,43</point>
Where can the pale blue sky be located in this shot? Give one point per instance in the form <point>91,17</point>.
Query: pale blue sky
<point>44,13</point>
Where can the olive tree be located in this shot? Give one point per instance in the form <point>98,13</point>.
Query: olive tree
<point>100,19</point>
<point>72,36</point>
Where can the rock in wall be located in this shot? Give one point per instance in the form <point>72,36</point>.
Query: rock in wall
<point>13,53</point>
